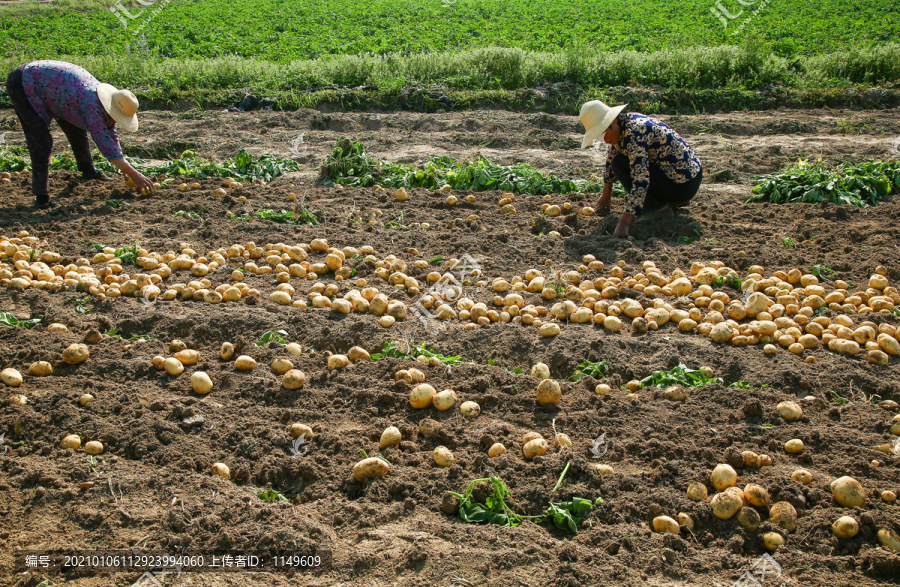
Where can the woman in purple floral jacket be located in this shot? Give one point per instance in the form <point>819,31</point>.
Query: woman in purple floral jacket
<point>42,91</point>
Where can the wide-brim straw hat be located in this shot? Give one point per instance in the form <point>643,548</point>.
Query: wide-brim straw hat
<point>596,118</point>
<point>120,104</point>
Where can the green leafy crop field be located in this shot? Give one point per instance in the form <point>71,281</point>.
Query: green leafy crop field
<point>282,30</point>
<point>370,53</point>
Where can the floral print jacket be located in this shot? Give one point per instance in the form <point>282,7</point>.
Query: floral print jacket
<point>647,141</point>
<point>64,91</point>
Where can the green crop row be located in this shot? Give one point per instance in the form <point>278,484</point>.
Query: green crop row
<point>281,31</point>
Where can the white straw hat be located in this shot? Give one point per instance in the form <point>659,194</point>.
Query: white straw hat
<point>120,104</point>
<point>596,118</point>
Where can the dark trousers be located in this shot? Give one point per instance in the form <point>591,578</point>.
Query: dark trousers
<point>662,191</point>
<point>40,141</point>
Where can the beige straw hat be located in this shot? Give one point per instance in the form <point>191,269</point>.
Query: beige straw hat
<point>596,118</point>
<point>120,104</point>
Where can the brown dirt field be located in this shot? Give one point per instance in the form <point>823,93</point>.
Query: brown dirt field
<point>152,488</point>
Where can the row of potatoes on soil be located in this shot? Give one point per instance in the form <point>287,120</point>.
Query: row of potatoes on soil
<point>782,309</point>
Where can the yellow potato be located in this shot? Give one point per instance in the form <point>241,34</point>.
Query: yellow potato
<point>173,366</point>
<point>244,363</point>
<point>665,524</point>
<point>470,409</point>
<point>696,491</point>
<point>725,505</point>
<point>281,366</point>
<point>188,357</point>
<point>93,447</point>
<point>749,519</point>
<point>783,514</point>
<point>845,527</point>
<point>11,377</point>
<point>548,392</point>
<point>443,457</point>
<point>723,477</point>
<point>76,353</point>
<point>220,469</point>
<point>72,441</point>
<point>293,379</point>
<point>496,450</point>
<point>444,400</point>
<point>297,430</point>
<point>534,448</point>
<point>201,382</point>
<point>336,362</point>
<point>420,396</point>
<point>390,437</point>
<point>227,351</point>
<point>848,492</point>
<point>772,541</point>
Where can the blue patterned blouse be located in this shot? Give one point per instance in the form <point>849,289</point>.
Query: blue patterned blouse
<point>647,141</point>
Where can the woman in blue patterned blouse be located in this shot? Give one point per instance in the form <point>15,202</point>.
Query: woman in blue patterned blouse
<point>655,166</point>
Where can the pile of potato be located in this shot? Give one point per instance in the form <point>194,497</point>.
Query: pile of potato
<point>745,505</point>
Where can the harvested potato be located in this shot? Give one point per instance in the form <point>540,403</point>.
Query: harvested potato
<point>848,492</point>
<point>603,469</point>
<point>541,371</point>
<point>173,366</point>
<point>297,430</point>
<point>72,441</point>
<point>220,470</point>
<point>470,409</point>
<point>201,382</point>
<point>416,375</point>
<point>802,476</point>
<point>244,363</point>
<point>756,495</point>
<point>11,377</point>
<point>665,524</point>
<point>57,327</point>
<point>188,357</point>
<point>602,389</point>
<point>293,379</point>
<point>370,468</point>
<point>294,348</point>
<point>443,456</point>
<point>793,446</point>
<point>697,491</point>
<point>889,496</point>
<point>390,437</point>
<point>889,539</point>
<point>772,541</point>
<point>357,354</point>
<point>535,448</point>
<point>685,521</point>
<point>845,527</point>
<point>281,366</point>
<point>93,447</point>
<point>421,395</point>
<point>41,369</point>
<point>723,477</point>
<point>783,514</point>
<point>496,450</point>
<point>790,411</point>
<point>17,400</point>
<point>444,400</point>
<point>725,505</point>
<point>227,351</point>
<point>85,399</point>
<point>76,353</point>
<point>336,362</point>
<point>749,519</point>
<point>548,392</point>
